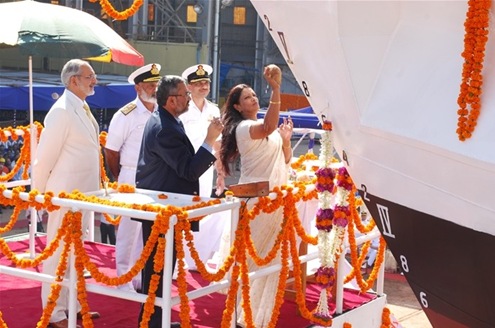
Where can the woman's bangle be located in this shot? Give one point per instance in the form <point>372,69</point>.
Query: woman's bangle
<point>286,146</point>
<point>275,102</point>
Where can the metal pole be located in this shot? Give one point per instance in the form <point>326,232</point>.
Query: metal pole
<point>216,68</point>
<point>72,309</point>
<point>167,273</point>
<point>32,144</point>
<point>259,56</point>
<point>209,27</point>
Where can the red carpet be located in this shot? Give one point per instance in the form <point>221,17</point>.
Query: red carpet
<point>20,301</point>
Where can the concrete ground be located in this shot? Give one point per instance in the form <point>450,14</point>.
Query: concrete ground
<point>404,305</point>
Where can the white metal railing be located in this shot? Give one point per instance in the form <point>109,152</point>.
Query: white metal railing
<point>167,301</point>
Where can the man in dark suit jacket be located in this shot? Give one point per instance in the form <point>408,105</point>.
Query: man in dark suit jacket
<point>167,162</point>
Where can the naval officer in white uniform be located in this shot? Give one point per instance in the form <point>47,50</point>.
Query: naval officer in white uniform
<point>196,121</point>
<point>121,155</point>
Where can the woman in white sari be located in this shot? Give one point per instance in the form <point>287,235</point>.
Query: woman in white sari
<point>265,153</point>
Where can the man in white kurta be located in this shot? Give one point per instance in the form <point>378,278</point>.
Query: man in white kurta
<point>67,158</point>
<point>196,121</point>
<point>121,154</point>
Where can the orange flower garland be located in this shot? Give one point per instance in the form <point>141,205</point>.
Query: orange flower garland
<point>56,286</point>
<point>24,159</point>
<point>475,38</point>
<point>299,163</point>
<point>77,240</point>
<point>120,15</point>
<point>2,323</point>
<point>386,322</point>
<point>356,261</point>
<point>182,225</point>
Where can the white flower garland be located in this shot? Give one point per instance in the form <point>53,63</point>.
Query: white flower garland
<point>330,232</point>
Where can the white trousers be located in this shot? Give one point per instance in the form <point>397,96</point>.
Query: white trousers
<point>207,239</point>
<point>129,240</point>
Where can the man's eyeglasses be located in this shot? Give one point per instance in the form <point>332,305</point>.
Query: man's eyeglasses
<point>89,77</point>
<point>188,94</point>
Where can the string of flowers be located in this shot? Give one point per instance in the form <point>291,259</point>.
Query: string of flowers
<point>56,286</point>
<point>475,38</point>
<point>77,239</point>
<point>356,261</point>
<point>290,214</point>
<point>105,180</point>
<point>386,322</point>
<point>325,274</point>
<point>297,273</point>
<point>2,322</point>
<point>299,163</point>
<point>24,159</point>
<point>183,224</point>
<point>119,15</point>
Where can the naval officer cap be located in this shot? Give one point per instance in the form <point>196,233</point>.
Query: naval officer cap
<point>147,73</point>
<point>196,73</point>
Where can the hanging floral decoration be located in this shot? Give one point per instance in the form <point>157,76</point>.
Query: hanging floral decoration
<point>475,38</point>
<point>2,322</point>
<point>119,15</point>
<point>24,160</point>
<point>386,319</point>
<point>325,274</point>
<point>334,187</point>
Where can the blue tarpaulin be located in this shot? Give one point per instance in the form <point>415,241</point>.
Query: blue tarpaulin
<point>112,91</point>
<point>44,96</point>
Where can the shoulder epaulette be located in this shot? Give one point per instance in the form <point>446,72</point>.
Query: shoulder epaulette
<point>128,108</point>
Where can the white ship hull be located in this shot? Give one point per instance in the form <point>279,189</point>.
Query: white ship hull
<point>387,74</point>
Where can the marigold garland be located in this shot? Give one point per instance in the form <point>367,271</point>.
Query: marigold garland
<point>2,323</point>
<point>60,272</point>
<point>475,38</point>
<point>386,322</point>
<point>24,159</point>
<point>119,15</point>
<point>356,261</point>
<point>298,164</point>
